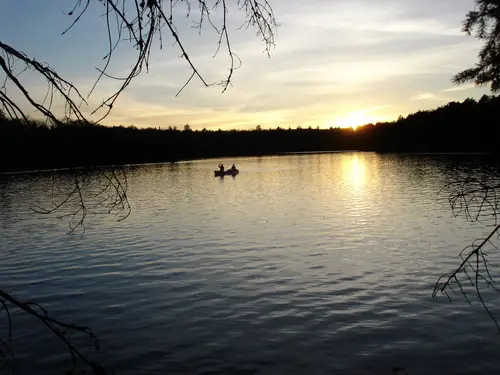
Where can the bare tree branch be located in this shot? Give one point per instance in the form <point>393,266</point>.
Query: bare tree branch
<point>84,192</point>
<point>56,84</point>
<point>143,22</point>
<point>477,198</point>
<point>58,328</point>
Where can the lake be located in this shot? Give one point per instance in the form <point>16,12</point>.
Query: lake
<point>301,264</point>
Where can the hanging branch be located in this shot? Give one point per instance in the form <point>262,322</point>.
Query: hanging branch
<point>60,329</point>
<point>142,23</point>
<point>103,190</point>
<point>478,199</point>
<point>56,84</point>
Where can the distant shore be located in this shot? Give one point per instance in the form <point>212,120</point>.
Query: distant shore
<point>468,127</point>
<point>216,159</point>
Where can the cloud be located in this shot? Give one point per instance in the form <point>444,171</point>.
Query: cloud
<point>463,87</point>
<point>426,96</point>
<point>448,91</point>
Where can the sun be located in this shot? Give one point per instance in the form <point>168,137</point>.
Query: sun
<point>353,120</point>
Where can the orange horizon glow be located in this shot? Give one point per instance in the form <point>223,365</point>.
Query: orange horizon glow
<point>354,120</point>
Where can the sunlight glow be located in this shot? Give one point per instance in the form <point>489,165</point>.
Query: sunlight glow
<point>353,120</point>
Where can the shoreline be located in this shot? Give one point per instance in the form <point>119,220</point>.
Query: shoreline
<point>290,153</point>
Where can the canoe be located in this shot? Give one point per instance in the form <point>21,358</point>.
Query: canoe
<point>229,172</point>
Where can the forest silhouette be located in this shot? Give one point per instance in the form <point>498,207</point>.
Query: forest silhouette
<point>468,126</point>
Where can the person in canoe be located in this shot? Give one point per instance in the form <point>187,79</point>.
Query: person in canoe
<point>233,168</point>
<point>221,167</point>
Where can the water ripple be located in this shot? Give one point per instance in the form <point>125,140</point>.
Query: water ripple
<point>302,264</point>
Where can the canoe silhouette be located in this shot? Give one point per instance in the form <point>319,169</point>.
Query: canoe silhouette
<point>229,172</point>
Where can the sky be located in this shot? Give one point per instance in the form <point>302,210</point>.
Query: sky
<point>335,63</point>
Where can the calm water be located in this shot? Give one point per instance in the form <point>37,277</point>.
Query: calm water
<point>302,264</point>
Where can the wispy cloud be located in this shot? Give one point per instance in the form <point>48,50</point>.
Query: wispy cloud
<point>463,87</point>
<point>445,94</point>
<point>426,96</point>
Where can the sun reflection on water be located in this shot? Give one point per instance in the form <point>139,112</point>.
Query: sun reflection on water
<point>354,171</point>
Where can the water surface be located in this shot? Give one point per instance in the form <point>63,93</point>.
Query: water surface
<point>301,264</point>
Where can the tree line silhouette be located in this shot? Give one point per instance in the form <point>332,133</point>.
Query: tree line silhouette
<point>468,126</point>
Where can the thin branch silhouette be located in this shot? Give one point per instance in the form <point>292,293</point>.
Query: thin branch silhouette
<point>60,329</point>
<point>478,199</point>
<point>139,23</point>
<point>8,58</point>
<point>103,190</point>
